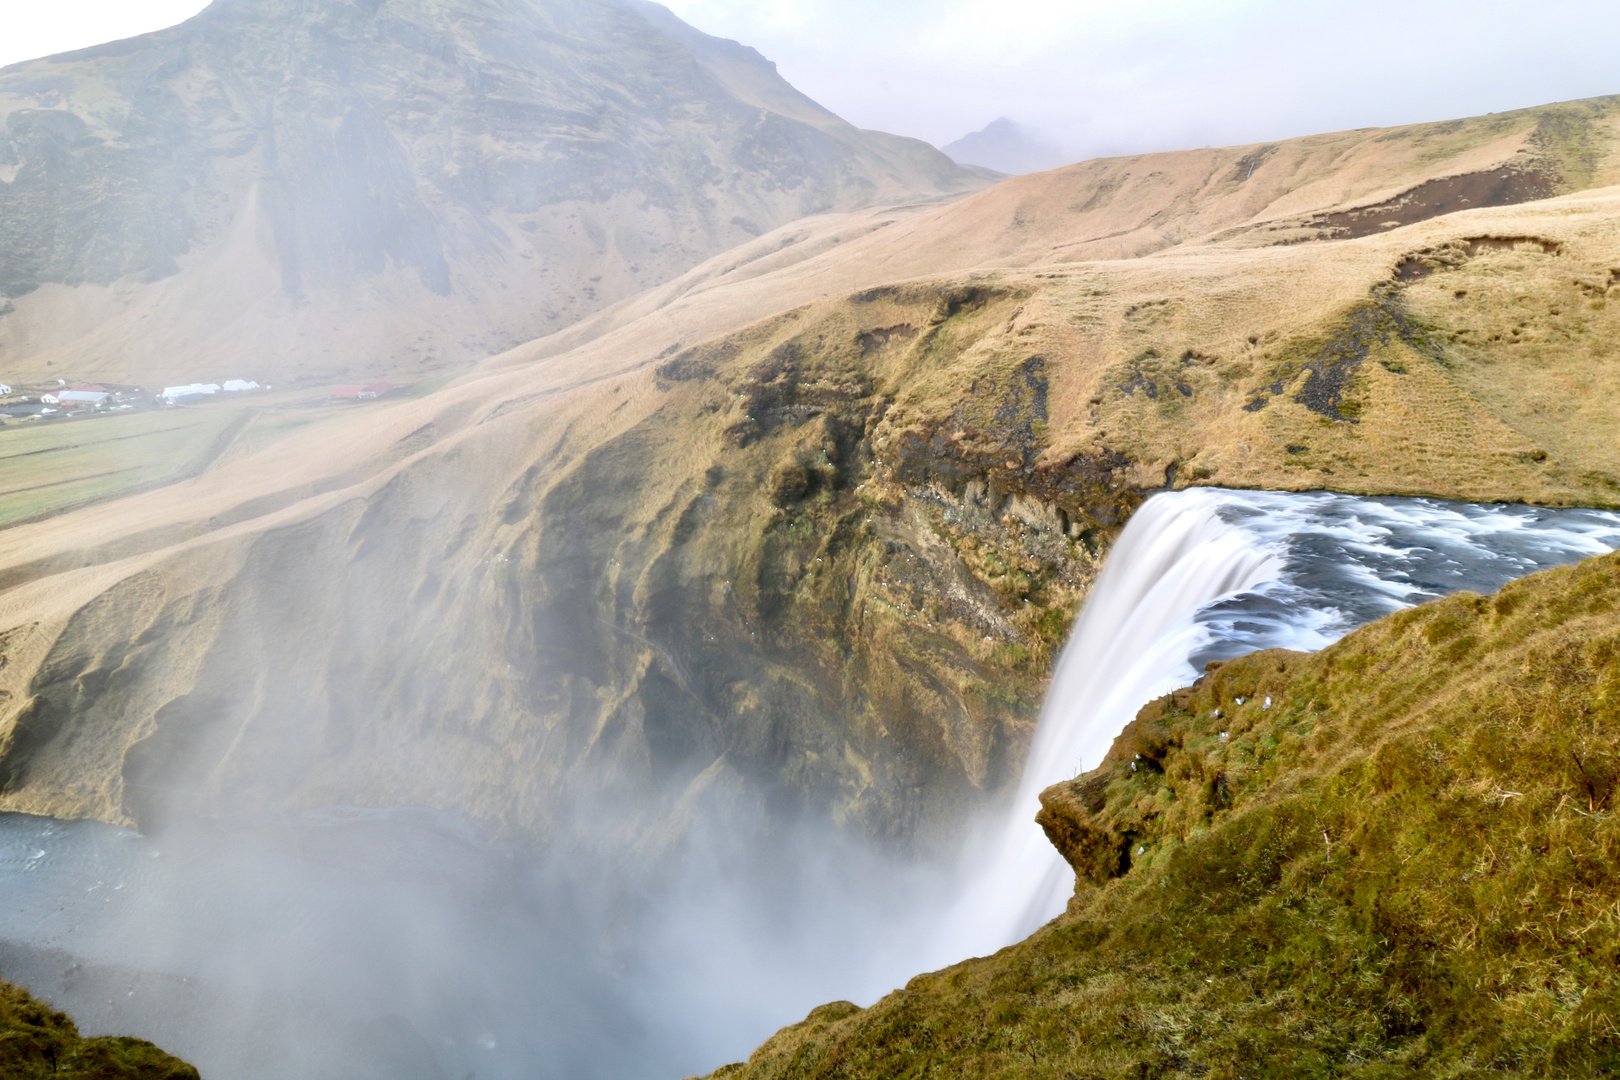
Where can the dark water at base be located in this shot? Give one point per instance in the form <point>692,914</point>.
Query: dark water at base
<point>354,945</point>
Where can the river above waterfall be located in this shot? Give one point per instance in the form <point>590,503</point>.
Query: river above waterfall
<point>1209,574</point>
<point>361,943</point>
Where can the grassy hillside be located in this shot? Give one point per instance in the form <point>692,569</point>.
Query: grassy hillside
<point>48,468</point>
<point>1395,857</point>
<point>37,1042</point>
<point>879,510</point>
<point>791,529</point>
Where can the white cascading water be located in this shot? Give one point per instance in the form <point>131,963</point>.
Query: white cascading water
<point>1129,645</point>
<point>1208,574</point>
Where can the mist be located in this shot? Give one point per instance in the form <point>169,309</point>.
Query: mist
<point>663,929</point>
<point>389,944</point>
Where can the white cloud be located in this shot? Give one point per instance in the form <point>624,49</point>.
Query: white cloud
<point>34,28</point>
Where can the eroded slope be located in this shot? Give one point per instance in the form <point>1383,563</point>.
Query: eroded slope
<point>821,562</point>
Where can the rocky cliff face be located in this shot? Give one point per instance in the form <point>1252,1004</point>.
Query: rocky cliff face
<point>732,573</point>
<point>308,188</point>
<point>818,566</point>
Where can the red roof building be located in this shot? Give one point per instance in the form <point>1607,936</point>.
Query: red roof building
<point>362,393</point>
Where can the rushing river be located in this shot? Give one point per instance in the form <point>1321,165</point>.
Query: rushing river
<point>364,944</point>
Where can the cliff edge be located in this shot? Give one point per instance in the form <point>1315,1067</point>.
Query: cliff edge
<point>1395,856</point>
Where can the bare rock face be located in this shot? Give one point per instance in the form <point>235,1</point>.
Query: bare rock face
<point>308,187</point>
<point>724,589</point>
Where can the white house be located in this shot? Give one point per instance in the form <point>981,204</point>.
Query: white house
<point>81,397</point>
<point>237,386</point>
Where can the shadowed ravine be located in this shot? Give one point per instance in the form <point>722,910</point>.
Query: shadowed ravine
<point>365,943</point>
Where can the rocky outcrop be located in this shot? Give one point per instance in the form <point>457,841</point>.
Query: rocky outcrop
<point>815,566</point>
<point>819,564</point>
<point>742,582</point>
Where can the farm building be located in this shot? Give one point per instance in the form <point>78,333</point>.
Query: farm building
<point>361,393</point>
<point>175,395</point>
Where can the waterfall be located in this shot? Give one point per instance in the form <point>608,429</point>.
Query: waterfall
<point>1130,644</point>
<point>1208,574</point>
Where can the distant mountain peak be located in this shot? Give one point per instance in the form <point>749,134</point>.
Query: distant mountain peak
<point>397,184</point>
<point>1006,146</point>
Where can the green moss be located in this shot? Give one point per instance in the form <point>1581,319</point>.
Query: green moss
<point>1408,865</point>
<point>37,1041</point>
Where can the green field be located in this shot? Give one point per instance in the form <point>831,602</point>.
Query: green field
<point>53,466</point>
<point>49,467</point>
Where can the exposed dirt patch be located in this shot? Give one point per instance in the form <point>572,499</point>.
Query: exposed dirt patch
<point>873,341</point>
<point>698,362</point>
<point>1425,261</point>
<point>1330,366</point>
<point>1506,186</point>
<point>1148,377</point>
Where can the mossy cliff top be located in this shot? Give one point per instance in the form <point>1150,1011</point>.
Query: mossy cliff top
<point>1395,857</point>
<point>36,1041</point>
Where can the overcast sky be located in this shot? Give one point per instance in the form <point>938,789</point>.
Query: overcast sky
<point>1105,76</point>
<point>1100,76</point>
<point>31,28</point>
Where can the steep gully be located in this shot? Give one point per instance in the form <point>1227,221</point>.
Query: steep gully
<point>368,943</point>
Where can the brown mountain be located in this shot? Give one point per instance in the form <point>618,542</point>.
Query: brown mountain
<point>325,189</point>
